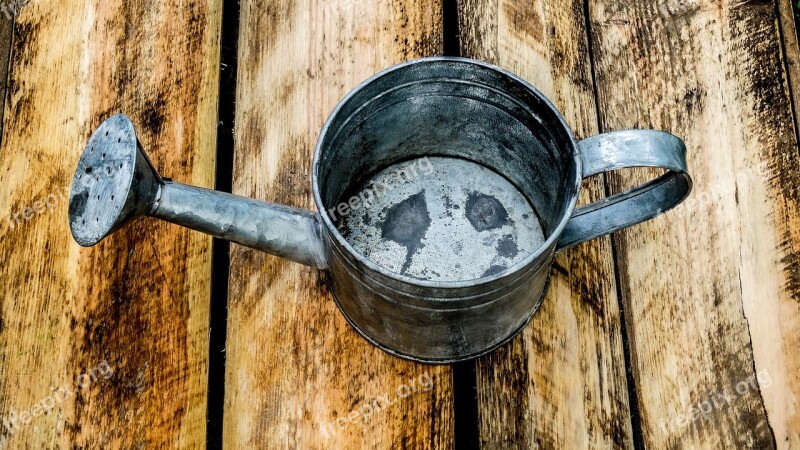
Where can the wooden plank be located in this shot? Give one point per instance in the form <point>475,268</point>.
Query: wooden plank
<point>122,328</point>
<point>297,374</point>
<point>710,290</point>
<point>6,37</point>
<point>561,384</point>
<point>789,13</point>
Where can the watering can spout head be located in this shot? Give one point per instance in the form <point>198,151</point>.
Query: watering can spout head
<point>113,184</point>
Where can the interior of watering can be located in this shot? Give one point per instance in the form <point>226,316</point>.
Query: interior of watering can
<point>446,170</point>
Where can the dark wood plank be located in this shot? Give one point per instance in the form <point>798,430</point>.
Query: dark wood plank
<point>6,37</point>
<point>132,313</point>
<point>789,14</point>
<point>297,375</point>
<point>711,289</point>
<point>561,384</point>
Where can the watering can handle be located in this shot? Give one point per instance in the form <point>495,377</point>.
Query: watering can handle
<point>625,149</point>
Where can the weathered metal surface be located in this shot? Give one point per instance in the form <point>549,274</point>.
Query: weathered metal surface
<point>627,149</point>
<point>113,184</point>
<point>433,107</point>
<point>290,233</point>
<point>440,219</point>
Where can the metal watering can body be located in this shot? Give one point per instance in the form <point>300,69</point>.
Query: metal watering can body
<point>485,127</point>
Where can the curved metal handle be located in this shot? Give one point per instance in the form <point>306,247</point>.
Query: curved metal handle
<point>623,149</point>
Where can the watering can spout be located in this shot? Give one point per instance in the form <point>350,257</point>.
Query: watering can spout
<point>290,233</point>
<point>115,183</point>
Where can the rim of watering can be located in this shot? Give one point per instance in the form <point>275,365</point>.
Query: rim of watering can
<point>551,240</point>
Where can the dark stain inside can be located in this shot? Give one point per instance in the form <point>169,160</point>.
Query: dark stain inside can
<point>449,205</point>
<point>485,212</point>
<point>494,270</point>
<point>507,247</point>
<point>452,221</point>
<point>406,223</point>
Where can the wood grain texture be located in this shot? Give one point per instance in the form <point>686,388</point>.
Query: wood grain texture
<point>6,37</point>
<point>561,384</point>
<point>791,50</point>
<point>711,290</point>
<point>137,304</point>
<point>298,376</point>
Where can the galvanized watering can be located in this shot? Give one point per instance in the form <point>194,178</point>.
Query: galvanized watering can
<point>444,187</point>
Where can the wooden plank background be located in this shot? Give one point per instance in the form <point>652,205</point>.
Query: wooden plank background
<point>294,365</point>
<point>132,313</point>
<point>679,333</point>
<point>710,292</point>
<point>561,383</point>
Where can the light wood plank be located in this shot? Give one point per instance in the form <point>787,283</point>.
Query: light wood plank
<point>295,367</point>
<point>710,290</point>
<point>139,301</point>
<point>561,384</point>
